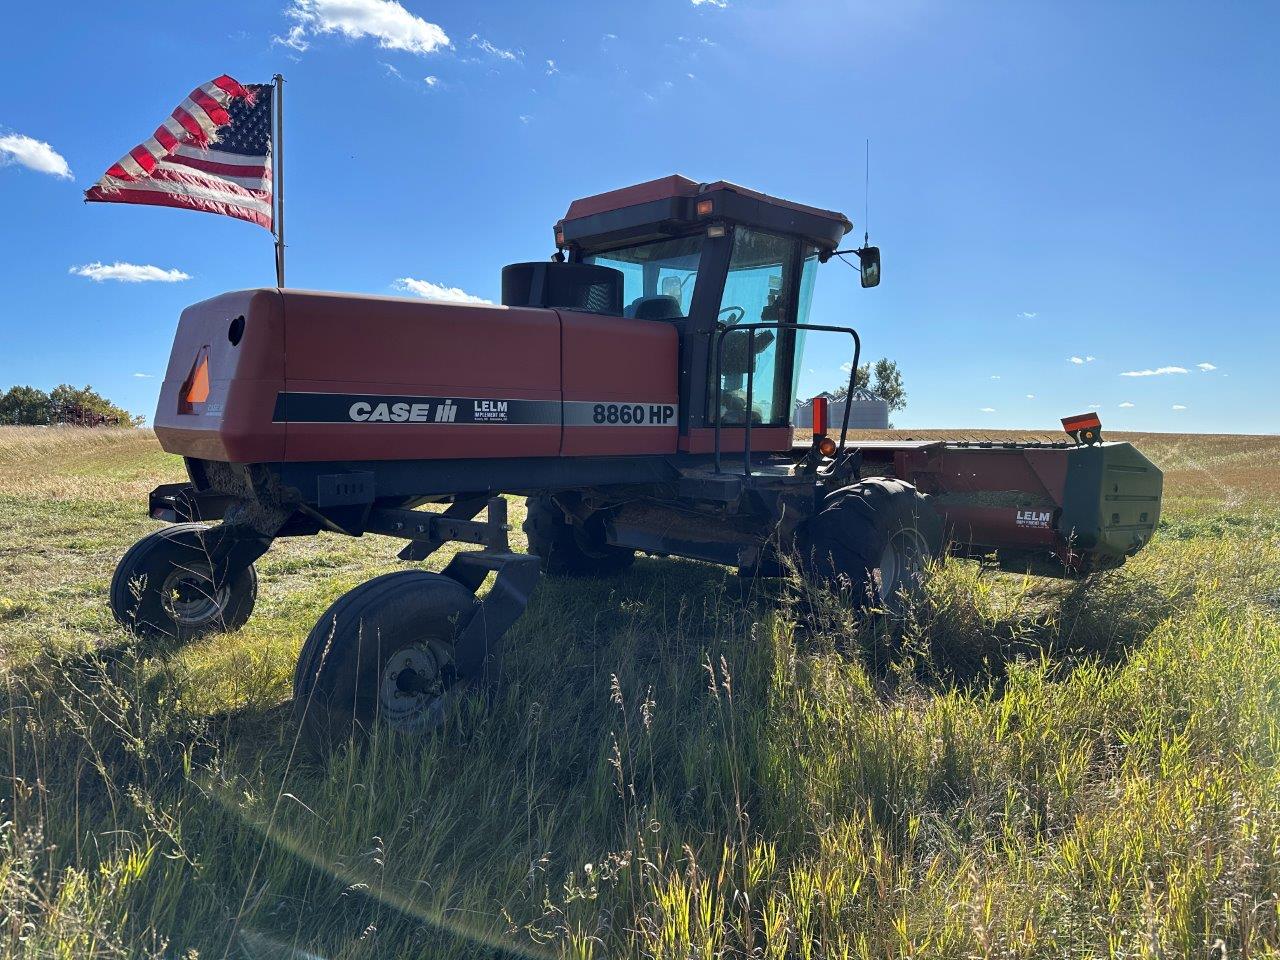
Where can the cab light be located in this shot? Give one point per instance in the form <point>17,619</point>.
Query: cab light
<point>716,231</point>
<point>705,208</point>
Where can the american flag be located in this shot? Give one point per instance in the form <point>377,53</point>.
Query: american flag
<point>212,154</point>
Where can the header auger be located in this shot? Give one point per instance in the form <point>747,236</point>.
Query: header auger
<point>637,389</point>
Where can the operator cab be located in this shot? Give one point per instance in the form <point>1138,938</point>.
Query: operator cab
<point>704,258</point>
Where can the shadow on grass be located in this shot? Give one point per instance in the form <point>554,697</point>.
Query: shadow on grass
<point>104,740</point>
<point>953,640</point>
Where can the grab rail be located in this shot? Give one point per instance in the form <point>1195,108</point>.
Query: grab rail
<point>719,340</point>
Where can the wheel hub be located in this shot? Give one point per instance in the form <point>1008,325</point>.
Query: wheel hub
<point>189,598</point>
<point>412,683</point>
<point>901,565</point>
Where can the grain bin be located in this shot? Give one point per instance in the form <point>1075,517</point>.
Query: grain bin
<point>869,412</point>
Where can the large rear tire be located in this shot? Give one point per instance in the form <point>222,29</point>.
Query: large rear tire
<point>873,540</point>
<point>163,588</point>
<point>382,655</point>
<point>566,549</point>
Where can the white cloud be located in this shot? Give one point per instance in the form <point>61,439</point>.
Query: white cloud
<point>1179,406</point>
<point>295,39</point>
<point>526,117</point>
<point>394,27</point>
<point>719,4</point>
<point>1031,396</point>
<point>144,376</point>
<point>431,81</point>
<point>1078,361</point>
<point>494,51</point>
<point>436,291</point>
<point>987,410</point>
<point>1206,367</point>
<point>391,70</point>
<point>995,376</point>
<point>33,154</point>
<point>1126,405</point>
<point>1157,372</point>
<point>129,273</point>
<point>1028,315</point>
<point>552,69</point>
<point>847,366</point>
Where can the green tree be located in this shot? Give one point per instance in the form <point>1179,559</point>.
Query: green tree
<point>883,378</point>
<point>22,405</point>
<point>84,406</point>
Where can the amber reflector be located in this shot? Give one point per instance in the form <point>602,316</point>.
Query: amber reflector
<point>827,447</point>
<point>196,387</point>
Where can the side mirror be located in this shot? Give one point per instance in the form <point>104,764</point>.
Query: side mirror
<point>869,260</point>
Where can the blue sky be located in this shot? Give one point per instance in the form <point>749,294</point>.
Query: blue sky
<point>1095,181</point>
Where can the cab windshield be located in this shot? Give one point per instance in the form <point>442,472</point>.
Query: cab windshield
<point>658,278</point>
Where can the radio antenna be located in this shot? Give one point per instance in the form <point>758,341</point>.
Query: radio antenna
<point>866,196</point>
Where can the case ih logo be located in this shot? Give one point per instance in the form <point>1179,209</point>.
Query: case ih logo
<point>364,412</point>
<point>1033,518</point>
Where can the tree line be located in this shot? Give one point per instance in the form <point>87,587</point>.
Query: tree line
<point>887,384</point>
<point>64,405</point>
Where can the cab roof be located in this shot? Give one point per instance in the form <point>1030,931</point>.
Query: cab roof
<point>673,205</point>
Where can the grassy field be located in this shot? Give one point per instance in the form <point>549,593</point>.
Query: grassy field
<point>676,768</point>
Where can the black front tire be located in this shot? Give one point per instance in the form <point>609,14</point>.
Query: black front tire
<point>873,539</point>
<point>163,588</point>
<point>574,550</point>
<point>382,654</point>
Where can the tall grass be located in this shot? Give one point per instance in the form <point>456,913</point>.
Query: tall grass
<point>680,766</point>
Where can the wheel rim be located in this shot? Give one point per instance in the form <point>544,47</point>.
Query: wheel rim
<point>188,599</point>
<point>410,694</point>
<point>901,565</point>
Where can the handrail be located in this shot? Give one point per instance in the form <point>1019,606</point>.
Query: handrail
<point>719,339</point>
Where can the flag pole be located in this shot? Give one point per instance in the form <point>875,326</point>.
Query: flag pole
<point>277,174</point>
